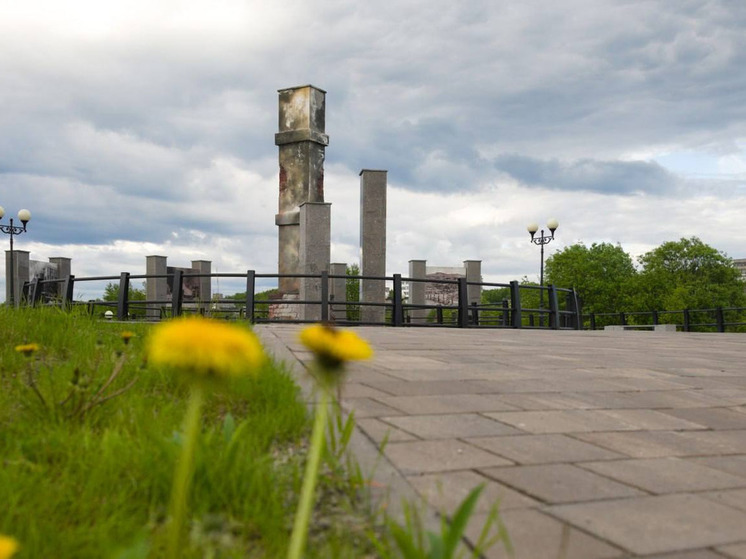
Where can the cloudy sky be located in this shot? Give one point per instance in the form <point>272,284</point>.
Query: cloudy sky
<point>140,127</point>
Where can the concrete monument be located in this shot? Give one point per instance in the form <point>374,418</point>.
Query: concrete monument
<point>302,144</point>
<point>372,243</point>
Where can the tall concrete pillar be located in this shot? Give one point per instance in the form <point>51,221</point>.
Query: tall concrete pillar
<point>64,269</point>
<point>372,243</point>
<point>21,272</point>
<point>473,273</point>
<point>417,270</point>
<point>205,284</point>
<point>338,290</point>
<point>302,144</point>
<point>156,289</point>
<point>315,250</point>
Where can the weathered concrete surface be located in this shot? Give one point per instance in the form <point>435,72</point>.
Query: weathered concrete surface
<point>373,187</point>
<point>302,143</point>
<point>315,247</point>
<point>600,444</point>
<point>156,289</point>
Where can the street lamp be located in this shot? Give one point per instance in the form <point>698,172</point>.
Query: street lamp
<point>24,217</point>
<point>542,240</point>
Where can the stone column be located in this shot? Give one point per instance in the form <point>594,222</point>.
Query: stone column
<point>156,289</point>
<point>64,269</point>
<point>20,274</point>
<point>372,243</point>
<point>338,290</point>
<point>417,269</point>
<point>473,273</point>
<point>302,143</point>
<point>205,284</point>
<point>315,249</point>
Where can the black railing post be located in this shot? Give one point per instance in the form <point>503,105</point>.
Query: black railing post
<point>439,314</point>
<point>553,308</point>
<point>531,320</point>
<point>397,315</point>
<point>623,318</point>
<point>687,321</point>
<point>655,317</point>
<point>463,304</point>
<point>475,313</point>
<point>720,319</point>
<point>515,304</point>
<point>123,303</point>
<point>324,296</point>
<point>250,287</point>
<point>593,321</point>
<point>67,291</point>
<point>177,293</point>
<point>506,313</point>
<point>578,316</point>
<point>33,293</point>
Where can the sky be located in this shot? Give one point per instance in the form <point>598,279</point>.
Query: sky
<point>137,128</point>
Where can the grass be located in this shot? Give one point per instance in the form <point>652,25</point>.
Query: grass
<point>97,483</point>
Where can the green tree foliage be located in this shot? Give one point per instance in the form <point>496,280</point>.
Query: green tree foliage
<point>495,296</point>
<point>688,274</point>
<point>602,275</point>
<point>111,293</point>
<point>352,288</point>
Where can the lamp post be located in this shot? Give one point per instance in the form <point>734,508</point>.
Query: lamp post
<point>542,240</point>
<point>24,217</point>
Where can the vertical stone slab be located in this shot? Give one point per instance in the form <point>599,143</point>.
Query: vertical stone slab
<point>417,270</point>
<point>338,290</point>
<point>20,274</point>
<point>315,250</point>
<point>156,289</point>
<point>372,243</point>
<point>64,269</point>
<point>302,143</point>
<point>473,273</point>
<point>205,284</point>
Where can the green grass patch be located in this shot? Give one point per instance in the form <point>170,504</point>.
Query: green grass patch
<point>89,436</point>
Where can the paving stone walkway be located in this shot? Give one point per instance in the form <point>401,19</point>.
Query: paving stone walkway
<point>597,444</point>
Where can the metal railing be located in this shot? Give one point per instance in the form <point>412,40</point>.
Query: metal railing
<point>719,319</point>
<point>561,312</point>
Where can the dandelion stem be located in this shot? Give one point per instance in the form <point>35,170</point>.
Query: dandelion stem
<point>184,471</point>
<point>303,514</point>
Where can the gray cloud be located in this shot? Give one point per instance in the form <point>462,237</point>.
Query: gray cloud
<point>607,177</point>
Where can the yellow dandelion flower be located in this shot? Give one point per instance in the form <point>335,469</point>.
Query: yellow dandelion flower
<point>126,336</point>
<point>205,348</point>
<point>333,347</point>
<point>27,349</point>
<point>8,547</point>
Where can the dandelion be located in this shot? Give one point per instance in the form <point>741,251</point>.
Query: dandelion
<point>203,348</point>
<point>332,348</point>
<point>27,349</point>
<point>198,349</point>
<point>126,336</point>
<point>8,547</point>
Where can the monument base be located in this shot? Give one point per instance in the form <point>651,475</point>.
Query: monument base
<point>283,308</point>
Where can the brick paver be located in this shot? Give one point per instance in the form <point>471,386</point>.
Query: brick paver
<point>597,445</point>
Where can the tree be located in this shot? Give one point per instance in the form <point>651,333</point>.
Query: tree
<point>602,275</point>
<point>111,293</point>
<point>688,274</point>
<point>352,291</point>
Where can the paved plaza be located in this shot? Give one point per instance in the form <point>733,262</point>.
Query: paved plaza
<point>596,444</point>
